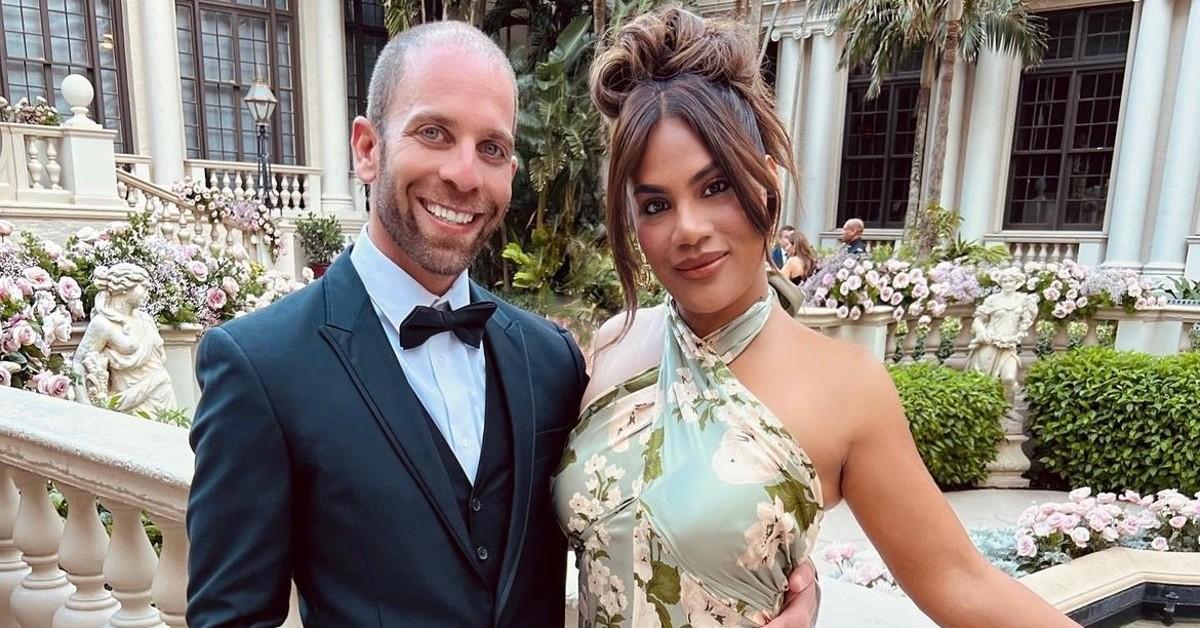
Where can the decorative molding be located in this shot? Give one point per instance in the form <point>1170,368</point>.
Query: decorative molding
<point>1091,578</point>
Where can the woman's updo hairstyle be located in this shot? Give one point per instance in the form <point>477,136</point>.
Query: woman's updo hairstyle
<point>674,64</point>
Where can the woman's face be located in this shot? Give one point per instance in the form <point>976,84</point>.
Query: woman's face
<point>693,231</point>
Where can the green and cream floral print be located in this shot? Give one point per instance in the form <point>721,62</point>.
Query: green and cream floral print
<point>686,501</point>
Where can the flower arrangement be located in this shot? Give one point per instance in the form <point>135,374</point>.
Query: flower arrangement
<point>852,286</point>
<point>38,112</point>
<point>1071,291</point>
<point>247,214</point>
<point>865,569</point>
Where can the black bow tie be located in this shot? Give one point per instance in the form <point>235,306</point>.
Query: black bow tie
<point>466,322</point>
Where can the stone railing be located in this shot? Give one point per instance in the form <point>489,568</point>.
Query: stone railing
<point>1052,246</point>
<point>136,165</point>
<point>296,188</point>
<point>55,574</point>
<point>181,222</point>
<point>31,161</point>
<point>872,238</point>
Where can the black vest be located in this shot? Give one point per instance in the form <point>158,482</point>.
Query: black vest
<point>486,506</point>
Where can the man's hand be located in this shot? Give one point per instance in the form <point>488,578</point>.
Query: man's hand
<point>803,598</point>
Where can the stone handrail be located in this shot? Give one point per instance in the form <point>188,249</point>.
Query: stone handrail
<point>1085,247</point>
<point>296,189</point>
<point>76,574</point>
<point>180,221</point>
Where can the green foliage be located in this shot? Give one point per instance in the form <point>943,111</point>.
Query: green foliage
<point>1183,289</point>
<point>955,419</point>
<point>1115,420</point>
<point>171,416</point>
<point>320,237</point>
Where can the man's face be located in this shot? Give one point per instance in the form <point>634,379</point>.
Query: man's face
<point>785,239</point>
<point>442,170</point>
<point>849,233</point>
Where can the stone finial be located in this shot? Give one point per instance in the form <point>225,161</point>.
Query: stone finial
<point>78,92</point>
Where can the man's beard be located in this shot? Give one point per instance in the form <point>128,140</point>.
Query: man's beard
<point>449,257</point>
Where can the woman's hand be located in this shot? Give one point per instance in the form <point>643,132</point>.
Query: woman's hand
<point>803,599</point>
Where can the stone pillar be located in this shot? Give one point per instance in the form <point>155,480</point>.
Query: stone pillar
<point>787,88</point>
<point>1179,187</point>
<point>331,90</point>
<point>1131,187</point>
<point>818,188</point>
<point>985,145</point>
<point>164,100</point>
<point>954,135</point>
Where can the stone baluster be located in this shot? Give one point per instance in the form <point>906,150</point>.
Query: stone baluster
<point>53,168</point>
<point>129,569</point>
<point>38,533</point>
<point>216,243</point>
<point>83,547</point>
<point>12,569</point>
<point>200,219</point>
<point>123,191</point>
<point>225,183</point>
<point>305,198</point>
<point>296,195</point>
<point>170,224</point>
<point>239,186</point>
<point>33,153</point>
<point>252,186</point>
<point>170,580</point>
<point>153,211</point>
<point>214,183</point>
<point>185,232</point>
<point>278,186</point>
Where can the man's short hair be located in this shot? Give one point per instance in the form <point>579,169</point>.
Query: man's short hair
<point>854,223</point>
<point>784,229</point>
<point>389,67</point>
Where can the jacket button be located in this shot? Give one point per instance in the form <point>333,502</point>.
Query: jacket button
<point>476,505</point>
<point>481,552</point>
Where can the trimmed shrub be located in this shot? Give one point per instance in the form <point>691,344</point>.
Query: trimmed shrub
<point>955,419</point>
<point>1116,420</point>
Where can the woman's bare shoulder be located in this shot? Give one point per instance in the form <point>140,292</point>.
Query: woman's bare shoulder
<point>864,384</point>
<point>617,357</point>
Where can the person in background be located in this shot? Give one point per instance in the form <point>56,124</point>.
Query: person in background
<point>852,236</point>
<point>802,261</point>
<point>780,252</point>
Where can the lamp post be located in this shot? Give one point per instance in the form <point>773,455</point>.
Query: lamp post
<point>260,100</point>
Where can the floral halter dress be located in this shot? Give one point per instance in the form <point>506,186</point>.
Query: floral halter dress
<point>685,499</point>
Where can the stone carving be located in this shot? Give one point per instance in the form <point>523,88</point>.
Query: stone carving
<point>1001,322</point>
<point>121,354</point>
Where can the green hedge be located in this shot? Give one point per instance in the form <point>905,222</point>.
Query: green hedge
<point>1116,420</point>
<point>955,419</point>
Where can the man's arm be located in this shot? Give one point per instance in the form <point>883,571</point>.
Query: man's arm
<point>239,509</point>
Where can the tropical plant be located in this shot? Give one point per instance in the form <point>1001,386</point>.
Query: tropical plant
<point>881,33</point>
<point>401,15</point>
<point>1184,289</point>
<point>320,237</point>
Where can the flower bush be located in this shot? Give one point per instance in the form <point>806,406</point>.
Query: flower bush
<point>865,569</point>
<point>1071,291</point>
<point>248,214</point>
<point>38,112</point>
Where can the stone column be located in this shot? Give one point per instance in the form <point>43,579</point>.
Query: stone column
<point>985,145</point>
<point>817,192</point>
<point>164,100</point>
<point>331,90</point>
<point>954,136</point>
<point>787,87</point>
<point>1179,187</point>
<point>1131,187</point>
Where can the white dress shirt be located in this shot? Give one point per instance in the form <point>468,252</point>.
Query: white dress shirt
<point>447,375</point>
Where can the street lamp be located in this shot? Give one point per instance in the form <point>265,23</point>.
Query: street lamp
<point>260,100</point>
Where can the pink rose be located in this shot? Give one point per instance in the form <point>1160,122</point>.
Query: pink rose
<point>9,342</point>
<point>1026,547</point>
<point>216,298</point>
<point>1178,522</point>
<point>10,290</point>
<point>52,385</point>
<point>1160,544</point>
<point>1106,498</point>
<point>66,265</point>
<point>69,289</point>
<point>6,228</point>
<point>5,378</point>
<point>24,334</point>
<point>1079,494</point>
<point>1081,536</point>
<point>57,327</point>
<point>38,278</point>
<point>230,286</point>
<point>25,286</point>
<point>53,250</point>
<point>76,308</point>
<point>198,269</point>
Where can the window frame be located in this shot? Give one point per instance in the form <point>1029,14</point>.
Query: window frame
<point>273,16</point>
<point>91,71</point>
<point>357,32</point>
<point>1075,68</point>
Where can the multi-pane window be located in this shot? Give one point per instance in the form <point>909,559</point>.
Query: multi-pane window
<point>365,39</point>
<point>878,147</point>
<point>1067,123</point>
<point>45,40</point>
<point>224,47</point>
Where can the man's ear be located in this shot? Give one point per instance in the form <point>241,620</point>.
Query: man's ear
<point>515,166</point>
<point>365,146</point>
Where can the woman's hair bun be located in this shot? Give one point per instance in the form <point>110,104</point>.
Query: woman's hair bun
<point>669,43</point>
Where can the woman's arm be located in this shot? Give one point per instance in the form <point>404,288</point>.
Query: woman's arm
<point>913,527</point>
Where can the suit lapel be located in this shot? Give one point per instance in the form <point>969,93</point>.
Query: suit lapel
<point>506,340</point>
<point>354,331</point>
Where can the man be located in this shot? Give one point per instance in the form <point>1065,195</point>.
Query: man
<point>852,236</point>
<point>385,437</point>
<point>782,242</point>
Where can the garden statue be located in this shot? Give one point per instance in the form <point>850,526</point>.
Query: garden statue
<point>120,362</point>
<point>1001,322</point>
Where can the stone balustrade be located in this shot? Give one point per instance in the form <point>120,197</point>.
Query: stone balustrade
<point>297,189</point>
<point>75,574</point>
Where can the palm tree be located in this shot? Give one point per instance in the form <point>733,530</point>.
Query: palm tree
<point>882,32</point>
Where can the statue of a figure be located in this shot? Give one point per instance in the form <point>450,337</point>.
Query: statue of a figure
<point>121,354</point>
<point>1001,323</point>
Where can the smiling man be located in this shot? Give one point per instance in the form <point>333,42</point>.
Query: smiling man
<point>378,438</point>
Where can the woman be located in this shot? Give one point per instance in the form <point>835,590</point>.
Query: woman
<point>696,479</point>
<point>801,261</point>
